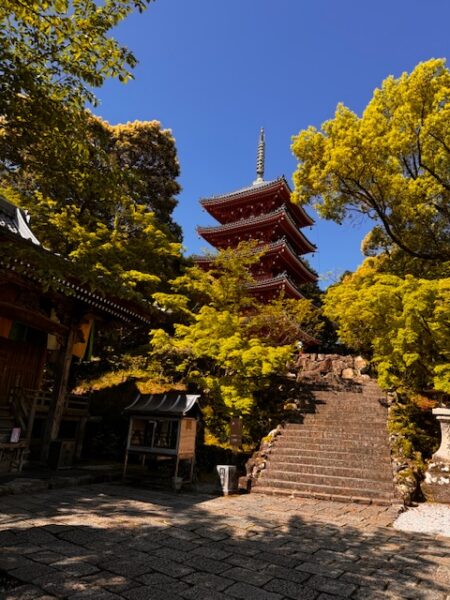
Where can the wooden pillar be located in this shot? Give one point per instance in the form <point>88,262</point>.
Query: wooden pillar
<point>59,395</point>
<point>80,437</point>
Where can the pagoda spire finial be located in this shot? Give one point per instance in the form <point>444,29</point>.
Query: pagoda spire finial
<point>260,158</point>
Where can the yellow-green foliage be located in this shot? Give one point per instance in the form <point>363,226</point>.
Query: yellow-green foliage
<point>414,430</point>
<point>98,194</point>
<point>392,163</point>
<point>227,347</point>
<point>71,37</point>
<point>94,207</point>
<point>239,362</point>
<point>147,375</point>
<point>403,321</point>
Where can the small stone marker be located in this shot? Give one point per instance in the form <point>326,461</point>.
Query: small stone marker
<point>236,432</point>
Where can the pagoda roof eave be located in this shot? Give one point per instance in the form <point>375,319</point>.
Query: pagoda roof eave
<point>283,244</point>
<point>255,190</point>
<point>272,248</point>
<point>273,283</point>
<point>281,214</point>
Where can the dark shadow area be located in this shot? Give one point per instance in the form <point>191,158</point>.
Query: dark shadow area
<point>110,542</point>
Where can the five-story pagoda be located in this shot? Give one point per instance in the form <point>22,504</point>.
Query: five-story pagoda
<point>263,212</point>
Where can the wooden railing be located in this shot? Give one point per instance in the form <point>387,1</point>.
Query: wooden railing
<point>23,409</point>
<point>73,405</point>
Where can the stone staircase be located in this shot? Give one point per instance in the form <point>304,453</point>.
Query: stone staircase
<point>339,451</point>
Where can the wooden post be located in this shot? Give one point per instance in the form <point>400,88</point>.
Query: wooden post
<point>56,409</point>
<point>31,416</point>
<point>80,437</point>
<point>130,430</point>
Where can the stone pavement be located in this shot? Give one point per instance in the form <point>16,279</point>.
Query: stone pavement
<point>112,542</point>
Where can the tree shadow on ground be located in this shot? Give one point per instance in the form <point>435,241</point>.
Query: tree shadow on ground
<point>111,542</point>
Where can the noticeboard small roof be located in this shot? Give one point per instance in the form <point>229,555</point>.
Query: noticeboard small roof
<point>172,403</point>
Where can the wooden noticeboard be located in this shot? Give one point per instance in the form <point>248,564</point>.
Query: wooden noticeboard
<point>188,432</point>
<point>236,432</point>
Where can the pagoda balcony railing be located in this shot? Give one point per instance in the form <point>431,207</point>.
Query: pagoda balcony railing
<point>281,211</point>
<point>270,246</point>
<point>251,220</point>
<point>277,278</point>
<point>284,240</point>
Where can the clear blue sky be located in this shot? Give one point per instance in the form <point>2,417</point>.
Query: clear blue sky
<point>214,72</point>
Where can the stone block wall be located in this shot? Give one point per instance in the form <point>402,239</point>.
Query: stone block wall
<point>331,367</point>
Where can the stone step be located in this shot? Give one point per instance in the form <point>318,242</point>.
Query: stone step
<point>330,459</point>
<point>326,490</point>
<point>334,481</point>
<point>331,453</point>
<point>334,425</point>
<point>324,397</point>
<point>342,445</point>
<point>368,414</point>
<point>381,501</point>
<point>339,419</point>
<point>346,401</point>
<point>305,468</point>
<point>324,433</point>
<point>342,396</point>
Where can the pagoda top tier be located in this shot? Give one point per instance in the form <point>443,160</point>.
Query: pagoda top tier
<point>259,198</point>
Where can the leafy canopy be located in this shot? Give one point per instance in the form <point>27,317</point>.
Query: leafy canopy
<point>53,54</point>
<point>60,49</point>
<point>403,321</point>
<point>392,163</point>
<point>229,345</point>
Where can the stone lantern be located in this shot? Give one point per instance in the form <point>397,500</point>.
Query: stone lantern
<point>436,486</point>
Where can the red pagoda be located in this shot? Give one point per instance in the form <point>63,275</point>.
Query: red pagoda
<point>263,212</point>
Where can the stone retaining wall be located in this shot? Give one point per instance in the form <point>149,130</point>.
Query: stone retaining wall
<point>331,367</point>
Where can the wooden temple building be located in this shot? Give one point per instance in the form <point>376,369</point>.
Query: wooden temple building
<point>42,328</point>
<point>264,212</point>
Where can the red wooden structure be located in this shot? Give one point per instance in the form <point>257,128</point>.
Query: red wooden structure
<point>41,330</point>
<point>263,212</point>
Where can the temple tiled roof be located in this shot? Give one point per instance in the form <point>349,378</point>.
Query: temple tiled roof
<point>16,221</point>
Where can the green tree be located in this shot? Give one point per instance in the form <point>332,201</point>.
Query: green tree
<point>391,164</point>
<point>403,322</point>
<point>93,205</point>
<point>228,345</point>
<point>52,54</point>
<point>88,189</point>
<point>147,155</point>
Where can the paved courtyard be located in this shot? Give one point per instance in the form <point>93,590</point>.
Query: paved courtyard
<point>111,542</point>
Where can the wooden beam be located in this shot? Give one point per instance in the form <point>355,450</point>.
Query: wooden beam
<point>31,318</point>
<point>59,394</point>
